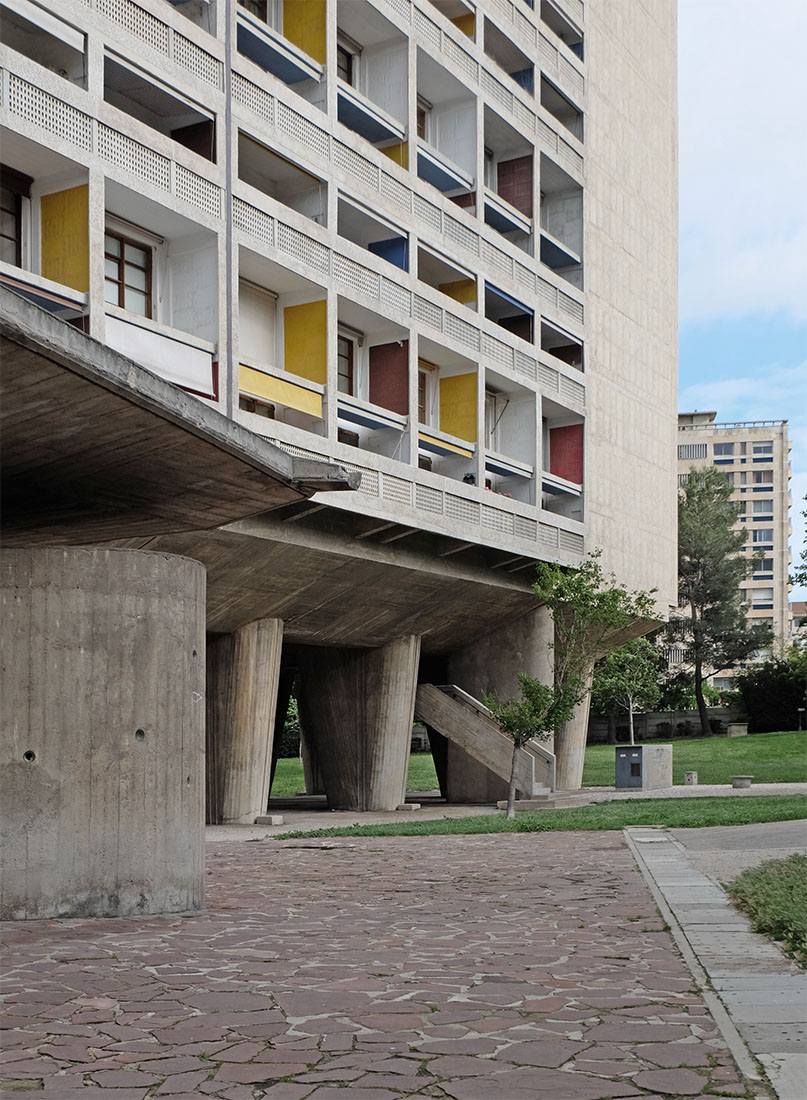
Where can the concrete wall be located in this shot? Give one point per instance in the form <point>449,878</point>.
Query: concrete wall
<point>102,778</point>
<point>631,212</point>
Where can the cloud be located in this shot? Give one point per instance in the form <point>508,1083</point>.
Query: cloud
<point>765,395</point>
<point>743,160</point>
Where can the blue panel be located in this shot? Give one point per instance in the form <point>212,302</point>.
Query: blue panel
<point>395,250</point>
<point>555,257</point>
<point>355,117</point>
<point>499,219</point>
<point>491,289</point>
<point>525,78</point>
<point>439,177</point>
<point>270,57</point>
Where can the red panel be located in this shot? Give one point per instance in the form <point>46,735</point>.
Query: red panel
<point>514,183</point>
<point>389,376</point>
<point>566,453</point>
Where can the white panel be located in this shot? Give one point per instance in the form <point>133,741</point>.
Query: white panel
<point>257,313</point>
<point>176,362</point>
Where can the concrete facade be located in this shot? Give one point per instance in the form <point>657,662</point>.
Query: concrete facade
<point>755,456</point>
<point>431,245</point>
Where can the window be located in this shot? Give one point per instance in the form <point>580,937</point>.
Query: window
<point>426,390</point>
<point>761,595</point>
<point>762,534</point>
<point>763,449</point>
<point>127,273</point>
<point>729,478</point>
<point>345,354</point>
<point>724,448</point>
<point>259,408</point>
<point>692,450</point>
<point>423,109</point>
<point>763,507</point>
<point>763,477</point>
<point>422,385</point>
<point>764,565</point>
<point>255,7</point>
<point>15,188</point>
<point>347,59</point>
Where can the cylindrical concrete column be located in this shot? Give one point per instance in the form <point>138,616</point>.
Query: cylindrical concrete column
<point>243,671</point>
<point>102,778</point>
<point>570,744</point>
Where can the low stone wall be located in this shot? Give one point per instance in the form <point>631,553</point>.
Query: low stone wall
<point>663,725</point>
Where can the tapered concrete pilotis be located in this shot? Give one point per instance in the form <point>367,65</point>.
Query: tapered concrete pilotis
<point>243,671</point>
<point>102,780</point>
<point>491,665</point>
<point>357,708</point>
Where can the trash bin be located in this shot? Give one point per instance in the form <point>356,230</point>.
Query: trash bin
<point>647,767</point>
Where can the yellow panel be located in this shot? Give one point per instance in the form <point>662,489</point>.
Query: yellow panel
<point>304,25</point>
<point>463,290</point>
<point>268,388</point>
<point>458,406</point>
<point>446,446</point>
<point>305,340</point>
<point>65,219</point>
<point>466,23</point>
<point>398,153</point>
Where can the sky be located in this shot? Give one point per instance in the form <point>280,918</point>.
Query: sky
<point>743,219</point>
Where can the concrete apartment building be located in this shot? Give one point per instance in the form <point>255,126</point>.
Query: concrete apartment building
<point>755,457</point>
<point>425,248</point>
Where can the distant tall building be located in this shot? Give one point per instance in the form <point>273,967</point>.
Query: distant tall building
<point>755,457</point>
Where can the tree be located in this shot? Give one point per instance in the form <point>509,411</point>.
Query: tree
<point>534,715</point>
<point>627,678</point>
<point>710,568</point>
<point>800,572</point>
<point>774,691</point>
<point>590,610</point>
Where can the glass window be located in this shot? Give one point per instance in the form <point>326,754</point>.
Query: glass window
<point>763,507</point>
<point>127,274</point>
<point>763,448</point>
<point>344,361</point>
<point>255,7</point>
<point>764,565</point>
<point>14,187</point>
<point>724,448</point>
<point>344,64</point>
<point>763,477</point>
<point>422,388</point>
<point>763,534</point>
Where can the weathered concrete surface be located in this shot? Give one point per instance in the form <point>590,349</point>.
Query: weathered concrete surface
<point>242,681</point>
<point>357,708</point>
<point>444,967</point>
<point>102,777</point>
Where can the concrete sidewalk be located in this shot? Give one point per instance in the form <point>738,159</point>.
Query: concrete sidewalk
<point>518,966</point>
<point>759,997</point>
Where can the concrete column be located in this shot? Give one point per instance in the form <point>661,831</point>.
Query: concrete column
<point>102,742</point>
<point>491,665</point>
<point>570,744</point>
<point>357,708</point>
<point>243,671</point>
<point>311,770</point>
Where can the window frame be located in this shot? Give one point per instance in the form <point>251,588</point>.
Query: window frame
<point>124,238</point>
<point>19,187</point>
<point>351,343</point>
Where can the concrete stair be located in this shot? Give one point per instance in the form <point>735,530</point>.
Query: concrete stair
<point>469,724</point>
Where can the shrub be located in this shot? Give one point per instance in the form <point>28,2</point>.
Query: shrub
<point>290,738</point>
<point>774,897</point>
<point>773,691</point>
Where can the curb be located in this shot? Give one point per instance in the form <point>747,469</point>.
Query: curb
<point>746,1061</point>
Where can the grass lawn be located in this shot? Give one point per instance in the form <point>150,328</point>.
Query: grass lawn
<point>677,813</point>
<point>289,775</point>
<point>769,757</point>
<point>774,897</point>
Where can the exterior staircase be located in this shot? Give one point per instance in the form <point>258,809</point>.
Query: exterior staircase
<point>469,724</point>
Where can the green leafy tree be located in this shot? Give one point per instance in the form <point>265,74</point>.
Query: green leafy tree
<point>773,691</point>
<point>627,679</point>
<point>800,572</point>
<point>710,567</point>
<point>533,715</point>
<point>591,613</point>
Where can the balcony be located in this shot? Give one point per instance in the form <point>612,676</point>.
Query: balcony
<point>63,302</point>
<point>173,355</point>
<point>273,53</point>
<point>360,115</point>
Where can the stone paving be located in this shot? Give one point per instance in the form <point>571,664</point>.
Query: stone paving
<point>515,967</point>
